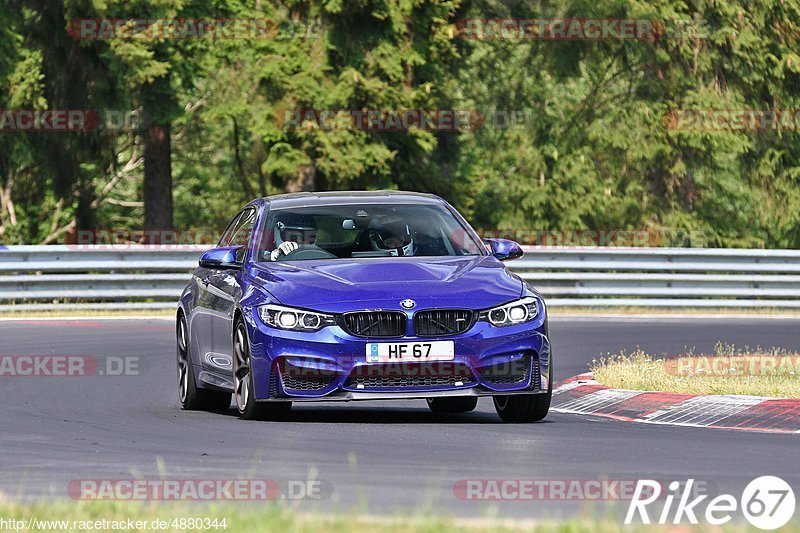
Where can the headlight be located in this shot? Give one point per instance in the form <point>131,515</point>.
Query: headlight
<point>523,310</point>
<point>294,319</point>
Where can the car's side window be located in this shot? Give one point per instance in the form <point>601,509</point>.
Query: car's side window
<point>228,233</point>
<point>242,230</point>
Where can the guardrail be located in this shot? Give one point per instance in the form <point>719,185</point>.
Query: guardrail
<point>143,277</point>
<point>95,277</point>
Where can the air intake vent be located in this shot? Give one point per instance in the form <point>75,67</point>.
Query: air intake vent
<point>510,373</point>
<point>375,323</point>
<point>442,322</point>
<point>410,375</point>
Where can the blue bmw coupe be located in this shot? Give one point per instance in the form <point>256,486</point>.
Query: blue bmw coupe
<point>341,296</point>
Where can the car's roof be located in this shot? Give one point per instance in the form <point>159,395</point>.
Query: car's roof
<point>302,199</point>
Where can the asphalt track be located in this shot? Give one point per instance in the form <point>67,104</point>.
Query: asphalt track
<point>375,457</point>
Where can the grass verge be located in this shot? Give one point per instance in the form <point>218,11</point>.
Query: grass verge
<point>730,370</point>
<point>89,516</point>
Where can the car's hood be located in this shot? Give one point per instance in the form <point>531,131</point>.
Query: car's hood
<point>341,285</point>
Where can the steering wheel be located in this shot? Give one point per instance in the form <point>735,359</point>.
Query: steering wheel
<point>309,251</point>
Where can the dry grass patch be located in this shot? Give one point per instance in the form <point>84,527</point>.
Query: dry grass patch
<point>729,370</point>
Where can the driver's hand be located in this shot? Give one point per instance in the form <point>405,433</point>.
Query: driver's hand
<point>285,248</point>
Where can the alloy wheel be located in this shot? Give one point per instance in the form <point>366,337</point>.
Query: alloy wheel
<point>183,359</point>
<point>241,375</point>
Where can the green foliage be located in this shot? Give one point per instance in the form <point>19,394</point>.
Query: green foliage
<point>572,135</point>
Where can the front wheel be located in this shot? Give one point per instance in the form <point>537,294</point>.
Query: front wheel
<point>523,407</point>
<point>243,388</point>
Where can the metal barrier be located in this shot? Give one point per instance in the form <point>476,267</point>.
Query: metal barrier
<point>95,277</point>
<point>144,277</point>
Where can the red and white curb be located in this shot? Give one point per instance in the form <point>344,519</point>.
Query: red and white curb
<point>583,395</point>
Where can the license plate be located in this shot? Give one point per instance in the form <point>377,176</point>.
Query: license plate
<point>390,352</point>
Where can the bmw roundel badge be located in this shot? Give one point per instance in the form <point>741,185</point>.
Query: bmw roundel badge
<point>408,303</point>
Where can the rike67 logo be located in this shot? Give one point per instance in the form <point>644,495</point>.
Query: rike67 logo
<point>767,502</point>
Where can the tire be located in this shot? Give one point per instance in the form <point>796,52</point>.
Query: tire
<point>193,398</point>
<point>246,403</point>
<point>525,408</point>
<point>456,404</point>
<point>522,408</point>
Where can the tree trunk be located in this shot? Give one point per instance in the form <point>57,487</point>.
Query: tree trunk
<point>306,180</point>
<point>157,183</point>
<point>85,213</point>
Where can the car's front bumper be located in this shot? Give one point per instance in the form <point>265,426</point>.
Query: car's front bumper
<point>330,365</point>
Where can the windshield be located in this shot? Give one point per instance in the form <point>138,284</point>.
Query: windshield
<point>363,231</point>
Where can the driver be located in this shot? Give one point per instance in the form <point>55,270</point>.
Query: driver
<point>395,237</point>
<point>291,231</point>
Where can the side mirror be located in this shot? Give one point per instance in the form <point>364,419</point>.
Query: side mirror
<point>222,258</point>
<point>503,249</point>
